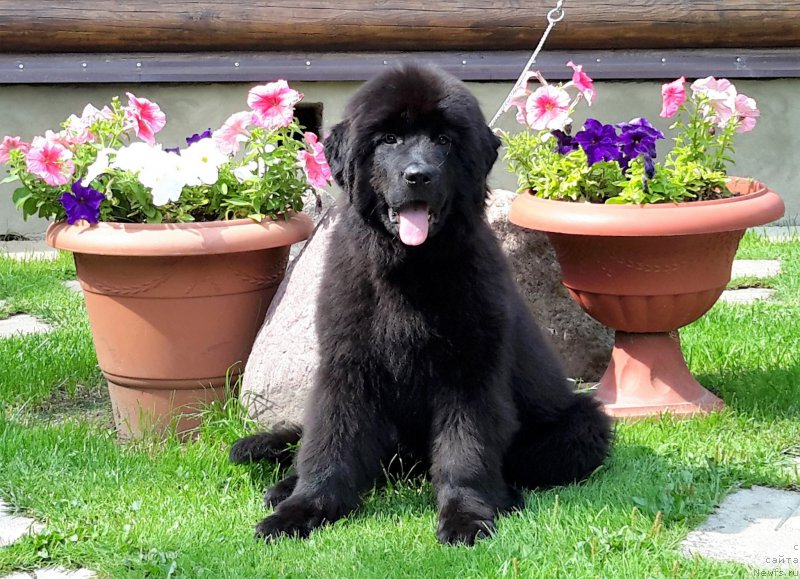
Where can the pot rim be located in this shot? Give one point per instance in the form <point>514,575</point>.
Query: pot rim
<point>754,204</point>
<point>178,239</point>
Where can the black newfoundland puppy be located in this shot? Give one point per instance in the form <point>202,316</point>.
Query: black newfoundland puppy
<point>429,353</point>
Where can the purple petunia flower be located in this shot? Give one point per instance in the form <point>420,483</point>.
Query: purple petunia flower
<point>82,203</point>
<point>649,167</point>
<point>198,137</point>
<point>638,138</point>
<point>566,144</point>
<point>599,142</point>
<point>189,140</point>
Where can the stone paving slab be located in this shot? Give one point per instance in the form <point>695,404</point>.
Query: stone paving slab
<point>21,325</point>
<point>13,527</point>
<point>746,295</point>
<point>755,268</point>
<point>758,527</point>
<point>27,250</point>
<point>74,285</point>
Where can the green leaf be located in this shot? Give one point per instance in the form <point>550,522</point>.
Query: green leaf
<point>20,195</point>
<point>29,206</point>
<point>9,179</point>
<point>238,202</point>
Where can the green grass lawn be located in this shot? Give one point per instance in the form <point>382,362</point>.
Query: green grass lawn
<point>166,509</point>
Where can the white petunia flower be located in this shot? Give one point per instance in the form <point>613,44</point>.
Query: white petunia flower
<point>135,156</point>
<point>165,175</point>
<point>202,160</point>
<point>246,172</point>
<point>251,171</point>
<point>99,167</point>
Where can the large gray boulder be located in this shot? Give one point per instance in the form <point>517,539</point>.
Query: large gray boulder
<point>281,366</point>
<point>285,354</point>
<point>583,344</point>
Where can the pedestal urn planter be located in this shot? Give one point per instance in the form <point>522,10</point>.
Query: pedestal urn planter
<point>646,271</point>
<point>174,309</point>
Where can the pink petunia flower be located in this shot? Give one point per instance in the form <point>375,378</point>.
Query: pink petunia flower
<point>313,162</point>
<point>721,95</point>
<point>145,117</point>
<point>273,104</point>
<point>547,108</point>
<point>76,132</point>
<point>712,85</point>
<point>582,81</point>
<point>59,138</point>
<point>233,132</point>
<point>50,161</point>
<point>12,144</point>
<point>92,114</point>
<point>746,113</point>
<point>519,97</point>
<point>312,142</point>
<point>673,95</point>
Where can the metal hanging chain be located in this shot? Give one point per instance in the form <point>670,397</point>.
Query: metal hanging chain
<point>553,17</point>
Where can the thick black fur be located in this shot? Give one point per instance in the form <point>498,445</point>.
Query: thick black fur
<point>427,351</point>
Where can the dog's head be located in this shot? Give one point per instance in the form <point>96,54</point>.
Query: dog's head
<point>412,152</point>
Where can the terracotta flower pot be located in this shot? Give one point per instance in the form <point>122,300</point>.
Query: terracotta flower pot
<point>647,270</point>
<point>174,309</point>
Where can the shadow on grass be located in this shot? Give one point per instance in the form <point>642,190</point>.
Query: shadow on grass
<point>630,508</point>
<point>85,403</point>
<point>765,394</point>
<point>634,477</point>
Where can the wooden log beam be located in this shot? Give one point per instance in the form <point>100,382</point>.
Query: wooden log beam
<point>384,25</point>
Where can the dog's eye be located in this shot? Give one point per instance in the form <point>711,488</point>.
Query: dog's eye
<point>390,139</point>
<point>442,140</point>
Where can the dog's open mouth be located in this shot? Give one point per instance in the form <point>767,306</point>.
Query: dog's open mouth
<point>413,222</point>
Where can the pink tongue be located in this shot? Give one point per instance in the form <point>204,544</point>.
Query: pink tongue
<point>413,223</point>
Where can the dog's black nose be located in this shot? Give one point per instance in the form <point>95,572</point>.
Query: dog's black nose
<point>418,174</point>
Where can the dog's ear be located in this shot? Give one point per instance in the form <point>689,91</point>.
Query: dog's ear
<point>489,145</point>
<point>337,148</point>
<point>486,146</point>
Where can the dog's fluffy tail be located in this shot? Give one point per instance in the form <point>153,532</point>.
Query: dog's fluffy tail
<point>276,445</point>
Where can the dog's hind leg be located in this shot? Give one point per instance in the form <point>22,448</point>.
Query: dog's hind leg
<point>280,491</point>
<point>560,452</point>
<point>276,445</point>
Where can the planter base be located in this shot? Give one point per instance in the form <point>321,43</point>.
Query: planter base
<point>140,410</point>
<point>648,375</point>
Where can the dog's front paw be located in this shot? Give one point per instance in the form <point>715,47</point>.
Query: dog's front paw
<point>463,528</point>
<point>294,519</point>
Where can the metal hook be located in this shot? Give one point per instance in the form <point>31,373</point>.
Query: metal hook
<point>555,15</point>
